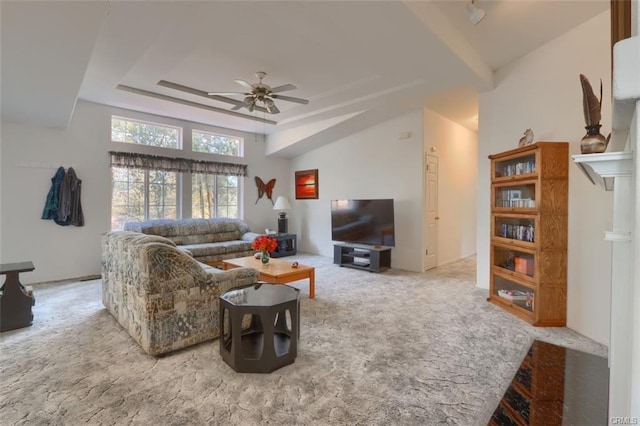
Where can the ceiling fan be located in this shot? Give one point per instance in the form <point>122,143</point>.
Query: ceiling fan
<point>260,92</point>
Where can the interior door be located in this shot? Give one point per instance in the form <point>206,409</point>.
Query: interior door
<point>431,228</point>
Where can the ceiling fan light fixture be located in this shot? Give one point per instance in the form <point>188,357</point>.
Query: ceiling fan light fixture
<point>476,14</point>
<point>260,92</point>
<point>271,106</point>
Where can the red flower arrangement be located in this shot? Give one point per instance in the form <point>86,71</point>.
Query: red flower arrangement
<point>263,243</point>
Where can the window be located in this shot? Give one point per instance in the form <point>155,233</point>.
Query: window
<point>142,133</point>
<point>214,196</point>
<point>154,184</point>
<point>142,195</point>
<point>216,144</point>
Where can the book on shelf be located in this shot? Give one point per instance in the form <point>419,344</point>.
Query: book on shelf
<point>520,202</point>
<point>520,168</point>
<point>513,198</point>
<point>518,232</point>
<point>524,265</point>
<point>514,295</point>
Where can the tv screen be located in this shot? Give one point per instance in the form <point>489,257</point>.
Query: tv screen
<point>363,221</point>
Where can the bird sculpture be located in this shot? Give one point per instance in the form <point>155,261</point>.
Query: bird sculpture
<point>527,139</point>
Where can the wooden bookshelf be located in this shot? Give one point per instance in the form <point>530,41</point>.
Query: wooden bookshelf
<point>529,204</point>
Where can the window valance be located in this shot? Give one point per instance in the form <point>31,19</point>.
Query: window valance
<point>133,160</point>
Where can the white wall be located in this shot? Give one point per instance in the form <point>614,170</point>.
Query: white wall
<point>373,163</point>
<point>542,91</point>
<point>457,150</point>
<point>30,156</point>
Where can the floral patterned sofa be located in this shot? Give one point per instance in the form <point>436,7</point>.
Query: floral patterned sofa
<point>208,240</point>
<point>161,295</point>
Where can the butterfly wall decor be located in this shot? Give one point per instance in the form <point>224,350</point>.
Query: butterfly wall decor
<point>265,188</point>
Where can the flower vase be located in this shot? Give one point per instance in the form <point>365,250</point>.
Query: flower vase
<point>265,257</point>
<point>593,142</point>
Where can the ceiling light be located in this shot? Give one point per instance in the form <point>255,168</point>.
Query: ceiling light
<point>475,13</point>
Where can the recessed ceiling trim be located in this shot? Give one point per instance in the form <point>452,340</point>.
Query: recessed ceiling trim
<point>192,104</point>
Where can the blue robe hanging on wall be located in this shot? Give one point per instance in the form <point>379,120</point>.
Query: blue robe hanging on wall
<point>51,205</point>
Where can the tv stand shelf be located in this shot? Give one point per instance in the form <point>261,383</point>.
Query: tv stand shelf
<point>366,258</point>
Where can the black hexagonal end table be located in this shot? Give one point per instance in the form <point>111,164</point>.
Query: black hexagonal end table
<point>259,327</point>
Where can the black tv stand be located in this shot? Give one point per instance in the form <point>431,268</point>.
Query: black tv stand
<point>366,258</point>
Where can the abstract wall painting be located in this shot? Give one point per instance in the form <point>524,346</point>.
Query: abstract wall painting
<point>307,184</point>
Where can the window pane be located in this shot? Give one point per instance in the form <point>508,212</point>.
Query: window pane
<point>139,132</point>
<point>232,198</point>
<point>216,144</point>
<point>127,201</point>
<point>214,196</point>
<point>202,200</point>
<point>227,181</point>
<point>132,190</point>
<point>162,194</point>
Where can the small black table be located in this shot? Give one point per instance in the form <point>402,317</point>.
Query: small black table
<point>286,245</point>
<point>269,338</point>
<point>15,300</point>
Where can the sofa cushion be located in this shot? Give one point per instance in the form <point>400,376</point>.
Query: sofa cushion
<point>236,246</point>
<point>192,231</point>
<point>211,237</point>
<point>207,249</point>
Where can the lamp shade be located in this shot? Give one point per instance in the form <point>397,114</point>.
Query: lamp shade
<point>282,204</point>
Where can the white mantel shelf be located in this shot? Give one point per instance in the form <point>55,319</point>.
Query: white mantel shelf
<point>603,168</point>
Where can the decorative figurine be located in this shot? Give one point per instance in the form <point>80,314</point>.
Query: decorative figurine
<point>593,141</point>
<point>527,139</point>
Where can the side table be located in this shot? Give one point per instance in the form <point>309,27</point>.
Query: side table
<point>286,245</point>
<point>15,300</point>
<point>270,340</point>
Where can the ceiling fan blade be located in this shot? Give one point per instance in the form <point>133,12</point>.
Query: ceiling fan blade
<point>227,93</point>
<point>245,84</point>
<point>237,107</point>
<point>283,88</point>
<point>291,99</point>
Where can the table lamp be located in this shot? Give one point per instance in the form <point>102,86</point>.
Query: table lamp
<point>282,204</point>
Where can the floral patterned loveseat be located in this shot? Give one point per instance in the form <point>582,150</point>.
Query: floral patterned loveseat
<point>208,240</point>
<point>161,295</point>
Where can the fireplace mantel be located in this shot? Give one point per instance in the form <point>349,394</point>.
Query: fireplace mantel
<point>603,168</point>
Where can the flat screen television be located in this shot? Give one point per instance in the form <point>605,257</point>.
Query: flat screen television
<point>363,222</point>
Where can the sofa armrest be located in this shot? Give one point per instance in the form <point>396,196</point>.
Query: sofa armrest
<point>231,278</point>
<point>170,269</point>
<point>166,269</point>
<point>184,250</point>
<point>249,236</point>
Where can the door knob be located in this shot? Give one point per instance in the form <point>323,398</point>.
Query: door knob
<point>437,217</point>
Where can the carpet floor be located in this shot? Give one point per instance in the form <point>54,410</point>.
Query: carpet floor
<point>392,348</point>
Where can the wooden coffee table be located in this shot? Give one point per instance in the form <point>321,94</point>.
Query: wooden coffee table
<point>276,271</point>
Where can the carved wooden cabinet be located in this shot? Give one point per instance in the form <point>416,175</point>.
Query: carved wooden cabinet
<point>529,192</point>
